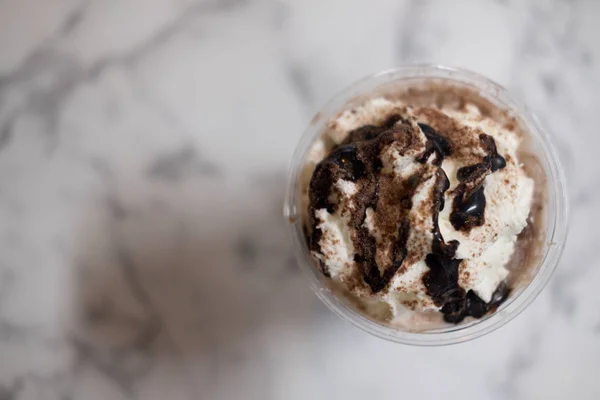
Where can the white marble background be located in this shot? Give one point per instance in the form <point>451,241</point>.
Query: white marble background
<point>143,145</point>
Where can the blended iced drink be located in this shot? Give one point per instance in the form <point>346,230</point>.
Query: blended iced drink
<point>421,205</point>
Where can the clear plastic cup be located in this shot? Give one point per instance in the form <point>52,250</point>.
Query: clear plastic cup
<point>556,207</point>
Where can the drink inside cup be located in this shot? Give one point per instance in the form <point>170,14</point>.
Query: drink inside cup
<point>422,204</point>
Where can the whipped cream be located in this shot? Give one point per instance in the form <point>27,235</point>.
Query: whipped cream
<point>410,164</point>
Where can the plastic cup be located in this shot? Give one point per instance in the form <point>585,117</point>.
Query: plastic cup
<point>555,214</point>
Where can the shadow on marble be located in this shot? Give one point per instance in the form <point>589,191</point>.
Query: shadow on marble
<point>201,280</point>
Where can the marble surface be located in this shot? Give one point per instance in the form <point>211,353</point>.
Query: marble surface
<point>143,148</point>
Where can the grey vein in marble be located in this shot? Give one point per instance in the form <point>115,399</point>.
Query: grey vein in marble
<point>174,166</point>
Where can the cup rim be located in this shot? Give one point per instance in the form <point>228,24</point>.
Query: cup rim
<point>556,224</point>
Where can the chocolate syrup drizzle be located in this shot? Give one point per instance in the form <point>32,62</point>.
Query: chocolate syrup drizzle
<point>357,160</point>
<point>469,202</point>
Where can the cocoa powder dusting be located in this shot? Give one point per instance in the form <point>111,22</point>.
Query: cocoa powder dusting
<point>389,199</point>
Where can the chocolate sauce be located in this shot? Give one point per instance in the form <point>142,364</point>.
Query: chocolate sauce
<point>367,264</point>
<point>498,162</point>
<point>435,144</point>
<point>370,132</point>
<point>471,172</point>
<point>469,204</point>
<point>357,159</point>
<point>441,281</point>
<point>345,158</point>
<point>468,212</point>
